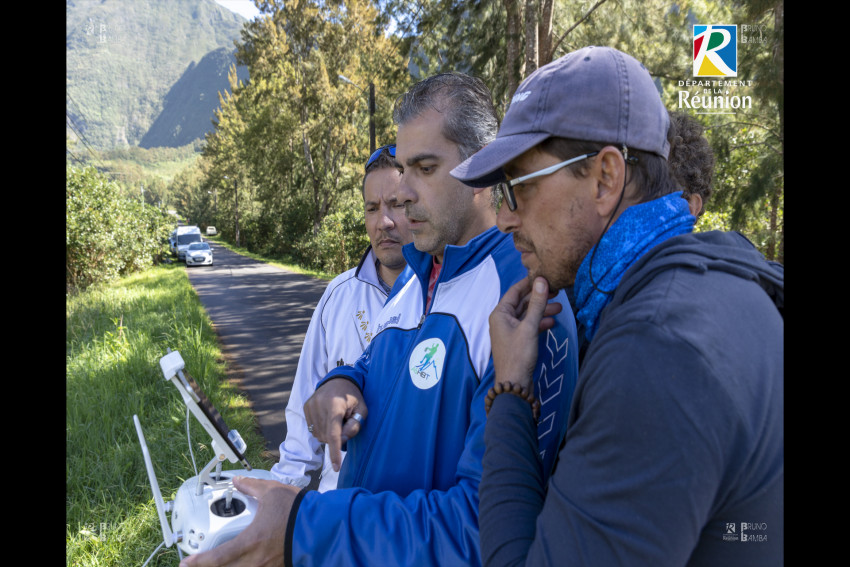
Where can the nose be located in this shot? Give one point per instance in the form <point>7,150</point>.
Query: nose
<point>507,220</point>
<point>406,193</point>
<point>385,221</point>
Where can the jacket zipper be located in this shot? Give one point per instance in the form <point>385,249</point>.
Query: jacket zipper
<point>368,456</point>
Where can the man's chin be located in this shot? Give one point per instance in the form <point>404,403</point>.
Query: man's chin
<point>424,244</point>
<point>396,263</point>
<point>531,264</point>
<point>391,259</point>
<point>556,282</point>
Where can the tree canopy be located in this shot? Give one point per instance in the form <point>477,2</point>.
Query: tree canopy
<point>283,165</point>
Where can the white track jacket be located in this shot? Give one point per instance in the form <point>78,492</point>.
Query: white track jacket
<point>338,333</point>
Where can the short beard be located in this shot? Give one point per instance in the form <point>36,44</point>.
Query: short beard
<point>563,274</point>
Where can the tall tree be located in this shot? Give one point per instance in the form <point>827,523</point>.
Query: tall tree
<point>295,136</point>
<point>297,56</point>
<point>750,144</point>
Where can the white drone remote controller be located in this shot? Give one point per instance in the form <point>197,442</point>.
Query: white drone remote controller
<point>207,510</point>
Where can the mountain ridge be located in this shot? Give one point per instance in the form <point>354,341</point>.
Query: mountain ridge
<point>146,70</point>
<point>189,105</point>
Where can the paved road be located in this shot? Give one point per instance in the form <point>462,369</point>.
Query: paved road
<point>261,314</point>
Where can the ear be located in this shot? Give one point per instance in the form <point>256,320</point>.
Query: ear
<point>609,172</point>
<point>695,203</point>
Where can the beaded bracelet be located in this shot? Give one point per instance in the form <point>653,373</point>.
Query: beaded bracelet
<point>515,389</point>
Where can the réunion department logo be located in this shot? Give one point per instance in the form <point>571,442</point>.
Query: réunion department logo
<point>426,363</point>
<point>715,51</point>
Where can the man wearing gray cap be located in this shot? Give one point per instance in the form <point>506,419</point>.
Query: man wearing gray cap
<point>674,450</point>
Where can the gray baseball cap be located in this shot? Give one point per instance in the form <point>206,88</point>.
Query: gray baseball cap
<point>596,94</point>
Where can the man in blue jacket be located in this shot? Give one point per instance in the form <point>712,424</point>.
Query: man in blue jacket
<point>411,410</point>
<point>340,327</point>
<point>674,451</point>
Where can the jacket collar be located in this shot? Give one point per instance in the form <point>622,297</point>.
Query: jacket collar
<point>456,259</point>
<point>366,268</point>
<point>729,252</point>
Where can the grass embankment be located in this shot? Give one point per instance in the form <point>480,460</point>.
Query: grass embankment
<point>115,336</point>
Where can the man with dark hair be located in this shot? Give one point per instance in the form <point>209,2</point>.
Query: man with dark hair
<point>691,160</point>
<point>411,410</point>
<point>674,450</point>
<point>340,329</point>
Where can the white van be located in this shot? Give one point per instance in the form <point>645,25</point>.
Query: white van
<point>186,235</point>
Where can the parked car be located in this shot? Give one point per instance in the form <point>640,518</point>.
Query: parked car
<point>211,231</point>
<point>186,235</point>
<point>199,254</point>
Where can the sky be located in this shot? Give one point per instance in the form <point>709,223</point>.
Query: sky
<point>244,8</point>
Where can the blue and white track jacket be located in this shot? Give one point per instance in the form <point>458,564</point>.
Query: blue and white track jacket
<point>339,332</point>
<point>408,488</point>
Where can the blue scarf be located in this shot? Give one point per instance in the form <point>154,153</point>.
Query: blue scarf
<point>638,229</point>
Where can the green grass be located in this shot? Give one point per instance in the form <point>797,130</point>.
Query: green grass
<point>115,336</point>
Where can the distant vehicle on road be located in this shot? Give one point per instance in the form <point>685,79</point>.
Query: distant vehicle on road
<point>186,235</point>
<point>211,231</point>
<point>199,254</point>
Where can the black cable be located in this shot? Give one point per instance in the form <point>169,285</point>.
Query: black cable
<point>628,160</point>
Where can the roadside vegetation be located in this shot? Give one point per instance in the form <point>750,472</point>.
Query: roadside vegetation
<point>107,234</point>
<point>116,332</point>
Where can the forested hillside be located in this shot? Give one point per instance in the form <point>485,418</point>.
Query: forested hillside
<point>188,107</point>
<point>124,58</point>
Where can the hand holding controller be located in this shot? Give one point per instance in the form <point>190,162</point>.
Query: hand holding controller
<point>205,521</point>
<point>208,509</point>
<point>263,541</point>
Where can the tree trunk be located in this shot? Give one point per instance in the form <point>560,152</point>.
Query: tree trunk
<point>311,170</point>
<point>530,37</point>
<point>513,38</point>
<point>770,254</point>
<point>544,33</point>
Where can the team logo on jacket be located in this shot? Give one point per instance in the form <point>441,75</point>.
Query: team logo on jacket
<point>426,363</point>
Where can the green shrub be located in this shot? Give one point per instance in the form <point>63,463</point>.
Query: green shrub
<point>107,235</point>
<point>339,243</point>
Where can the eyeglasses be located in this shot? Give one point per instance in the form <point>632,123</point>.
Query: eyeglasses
<point>506,188</point>
<point>390,148</point>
